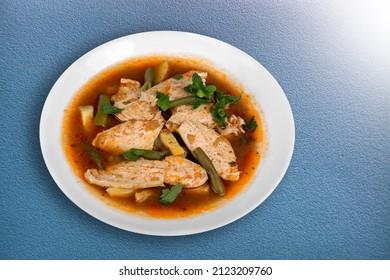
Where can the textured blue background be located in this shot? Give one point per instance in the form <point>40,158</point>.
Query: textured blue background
<point>332,62</point>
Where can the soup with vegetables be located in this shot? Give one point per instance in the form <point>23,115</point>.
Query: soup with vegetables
<point>164,137</point>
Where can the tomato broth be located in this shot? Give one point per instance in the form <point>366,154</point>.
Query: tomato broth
<point>190,201</point>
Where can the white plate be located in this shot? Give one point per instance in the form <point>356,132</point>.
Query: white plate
<point>253,76</point>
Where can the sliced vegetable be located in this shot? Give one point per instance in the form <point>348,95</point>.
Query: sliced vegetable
<point>161,73</point>
<point>215,181</point>
<point>101,117</point>
<point>133,154</point>
<point>109,109</point>
<point>165,104</point>
<point>169,141</point>
<point>119,192</point>
<point>168,196</point>
<point>251,125</point>
<point>158,145</point>
<point>148,77</point>
<point>86,113</point>
<point>182,101</point>
<point>202,190</point>
<point>143,195</point>
<point>95,156</point>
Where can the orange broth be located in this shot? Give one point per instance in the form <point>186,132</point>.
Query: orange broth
<point>189,202</point>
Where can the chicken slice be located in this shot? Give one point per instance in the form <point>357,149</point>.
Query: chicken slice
<point>144,173</point>
<point>127,98</point>
<point>130,175</point>
<point>172,87</point>
<point>138,110</point>
<point>128,91</point>
<point>185,113</point>
<point>216,147</point>
<point>131,134</point>
<point>184,171</point>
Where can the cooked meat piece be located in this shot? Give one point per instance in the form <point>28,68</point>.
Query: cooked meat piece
<point>130,134</point>
<point>149,173</point>
<point>130,175</point>
<point>234,126</point>
<point>216,147</point>
<point>172,87</point>
<point>128,91</point>
<point>127,98</point>
<point>184,171</point>
<point>138,110</point>
<point>185,113</point>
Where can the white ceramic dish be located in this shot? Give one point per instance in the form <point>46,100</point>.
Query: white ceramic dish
<point>252,75</point>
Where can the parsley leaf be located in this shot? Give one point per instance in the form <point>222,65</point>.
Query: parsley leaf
<point>228,99</point>
<point>168,196</point>
<point>218,112</point>
<point>162,101</point>
<point>218,109</point>
<point>178,77</point>
<point>251,125</point>
<point>199,89</point>
<point>198,101</point>
<point>109,109</point>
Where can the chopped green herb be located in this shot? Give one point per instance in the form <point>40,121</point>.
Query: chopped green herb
<point>199,101</point>
<point>218,109</point>
<point>109,109</point>
<point>251,125</point>
<point>218,112</point>
<point>233,163</point>
<point>178,77</point>
<point>197,84</point>
<point>162,101</point>
<point>228,99</point>
<point>168,196</point>
<point>203,94</point>
<point>133,154</point>
<point>201,91</point>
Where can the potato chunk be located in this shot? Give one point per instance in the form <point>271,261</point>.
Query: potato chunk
<point>169,141</point>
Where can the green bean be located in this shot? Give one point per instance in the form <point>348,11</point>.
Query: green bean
<point>101,117</point>
<point>215,181</point>
<point>94,155</point>
<point>133,154</point>
<point>181,101</point>
<point>148,79</point>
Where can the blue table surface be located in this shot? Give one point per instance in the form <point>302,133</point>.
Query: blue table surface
<point>331,58</point>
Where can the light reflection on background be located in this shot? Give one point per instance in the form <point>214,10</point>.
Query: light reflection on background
<point>369,22</point>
